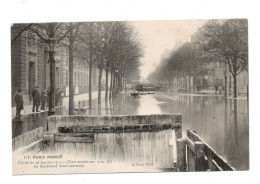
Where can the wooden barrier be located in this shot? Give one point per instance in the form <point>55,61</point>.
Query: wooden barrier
<point>132,139</point>
<point>201,157</point>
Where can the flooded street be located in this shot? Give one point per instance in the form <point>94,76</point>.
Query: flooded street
<point>222,124</point>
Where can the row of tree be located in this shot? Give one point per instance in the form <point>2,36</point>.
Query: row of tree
<point>112,47</point>
<point>217,40</point>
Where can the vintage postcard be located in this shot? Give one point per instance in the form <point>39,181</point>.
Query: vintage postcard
<point>130,96</point>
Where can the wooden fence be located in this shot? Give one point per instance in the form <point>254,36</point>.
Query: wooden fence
<point>201,157</point>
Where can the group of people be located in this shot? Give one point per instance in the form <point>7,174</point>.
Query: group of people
<point>38,100</point>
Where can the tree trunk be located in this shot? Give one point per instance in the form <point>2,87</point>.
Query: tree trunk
<point>114,84</point>
<point>90,70</point>
<point>225,75</point>
<point>90,84</point>
<point>185,83</point>
<point>99,85</point>
<point>225,87</point>
<point>119,83</point>
<point>106,95</point>
<point>125,83</point>
<point>235,86</point>
<point>189,85</point>
<point>71,73</point>
<point>52,84</point>
<point>111,83</point>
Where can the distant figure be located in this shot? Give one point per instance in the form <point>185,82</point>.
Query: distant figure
<point>19,103</point>
<point>44,99</point>
<point>48,96</point>
<point>61,95</point>
<point>36,99</point>
<point>198,88</point>
<point>216,89</point>
<point>57,97</point>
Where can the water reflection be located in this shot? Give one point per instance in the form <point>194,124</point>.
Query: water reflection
<point>148,105</point>
<point>29,122</point>
<point>237,134</point>
<point>222,123</point>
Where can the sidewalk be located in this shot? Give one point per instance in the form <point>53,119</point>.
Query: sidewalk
<point>28,108</point>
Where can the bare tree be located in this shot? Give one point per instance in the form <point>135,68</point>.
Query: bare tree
<point>127,53</point>
<point>101,37</point>
<point>86,50</point>
<point>227,41</point>
<point>73,29</point>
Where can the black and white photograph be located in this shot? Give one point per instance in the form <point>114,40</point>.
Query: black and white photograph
<point>130,91</point>
<point>130,96</point>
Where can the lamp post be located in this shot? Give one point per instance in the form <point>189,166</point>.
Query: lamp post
<point>51,91</point>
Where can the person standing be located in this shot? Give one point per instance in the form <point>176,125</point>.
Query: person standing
<point>36,99</point>
<point>57,97</point>
<point>216,89</point>
<point>61,97</point>
<point>44,99</point>
<point>48,96</point>
<point>19,103</point>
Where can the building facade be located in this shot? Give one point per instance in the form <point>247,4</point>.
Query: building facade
<point>213,75</point>
<point>30,67</point>
<point>28,64</point>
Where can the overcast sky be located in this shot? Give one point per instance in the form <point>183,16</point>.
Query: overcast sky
<point>158,36</point>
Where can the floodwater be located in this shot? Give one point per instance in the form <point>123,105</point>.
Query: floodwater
<point>223,124</point>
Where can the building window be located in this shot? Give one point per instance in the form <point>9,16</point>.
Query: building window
<point>84,79</point>
<point>80,79</point>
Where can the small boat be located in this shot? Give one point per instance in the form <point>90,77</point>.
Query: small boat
<point>134,94</point>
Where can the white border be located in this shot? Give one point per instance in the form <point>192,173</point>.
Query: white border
<point>83,10</point>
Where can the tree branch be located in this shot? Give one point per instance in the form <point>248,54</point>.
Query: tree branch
<point>20,33</point>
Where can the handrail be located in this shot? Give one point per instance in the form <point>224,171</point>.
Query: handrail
<point>204,156</point>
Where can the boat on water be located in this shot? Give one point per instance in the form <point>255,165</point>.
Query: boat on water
<point>134,93</point>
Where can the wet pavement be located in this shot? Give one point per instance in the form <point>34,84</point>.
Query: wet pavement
<point>223,124</point>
